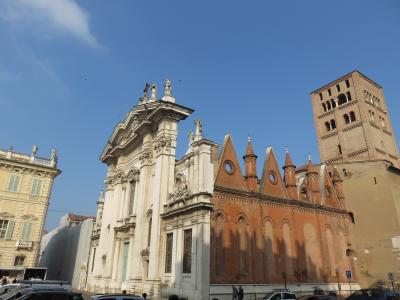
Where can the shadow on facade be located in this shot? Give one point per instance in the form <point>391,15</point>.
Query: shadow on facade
<point>59,255</point>
<point>253,263</point>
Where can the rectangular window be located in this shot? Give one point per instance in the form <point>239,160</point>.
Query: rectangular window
<point>36,186</point>
<point>168,253</point>
<point>26,231</point>
<point>329,92</point>
<point>340,149</point>
<point>132,197</point>
<point>320,96</point>
<point>19,260</point>
<point>187,251</point>
<point>348,96</point>
<point>3,228</point>
<point>347,83</point>
<point>338,87</point>
<point>13,184</point>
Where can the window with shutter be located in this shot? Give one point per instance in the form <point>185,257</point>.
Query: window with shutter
<point>10,230</point>
<point>3,228</point>
<point>13,183</point>
<point>36,186</point>
<point>26,231</point>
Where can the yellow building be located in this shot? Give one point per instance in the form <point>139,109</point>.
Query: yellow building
<point>25,187</point>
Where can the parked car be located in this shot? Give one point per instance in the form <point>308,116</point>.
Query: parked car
<point>65,285</point>
<point>280,295</point>
<point>374,294</point>
<point>8,288</point>
<point>316,297</point>
<point>116,297</point>
<point>51,295</point>
<point>29,287</point>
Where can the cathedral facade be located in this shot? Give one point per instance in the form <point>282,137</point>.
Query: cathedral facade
<point>195,226</point>
<point>152,232</point>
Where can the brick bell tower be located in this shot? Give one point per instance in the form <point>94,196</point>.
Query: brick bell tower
<point>352,121</point>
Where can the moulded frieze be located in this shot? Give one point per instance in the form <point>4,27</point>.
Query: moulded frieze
<point>162,144</point>
<point>145,156</point>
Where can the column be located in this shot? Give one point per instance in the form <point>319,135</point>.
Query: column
<point>165,166</point>
<point>115,268</point>
<point>130,252</point>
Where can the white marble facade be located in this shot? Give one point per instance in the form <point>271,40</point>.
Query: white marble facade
<point>151,195</point>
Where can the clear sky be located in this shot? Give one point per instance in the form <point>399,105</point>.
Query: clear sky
<point>70,70</point>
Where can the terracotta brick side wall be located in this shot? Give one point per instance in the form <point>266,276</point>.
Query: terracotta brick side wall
<point>254,240</point>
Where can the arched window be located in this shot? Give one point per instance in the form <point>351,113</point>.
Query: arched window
<point>348,96</point>
<point>328,126</point>
<point>333,103</point>
<point>346,118</point>
<point>333,124</point>
<point>328,104</point>
<point>352,116</point>
<point>324,106</point>
<point>342,99</point>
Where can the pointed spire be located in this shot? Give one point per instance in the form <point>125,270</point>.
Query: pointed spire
<point>249,150</point>
<point>101,197</point>
<point>289,176</point>
<point>335,175</point>
<point>288,159</point>
<point>250,162</point>
<point>310,166</point>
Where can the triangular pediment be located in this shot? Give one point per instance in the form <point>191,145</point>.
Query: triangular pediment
<point>229,173</point>
<point>271,180</point>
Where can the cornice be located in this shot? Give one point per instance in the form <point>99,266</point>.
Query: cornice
<point>292,203</point>
<point>144,116</point>
<point>187,209</point>
<point>26,166</point>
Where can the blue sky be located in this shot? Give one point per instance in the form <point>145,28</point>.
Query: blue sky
<point>69,70</point>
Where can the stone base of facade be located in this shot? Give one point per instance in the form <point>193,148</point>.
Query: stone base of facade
<point>257,291</point>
